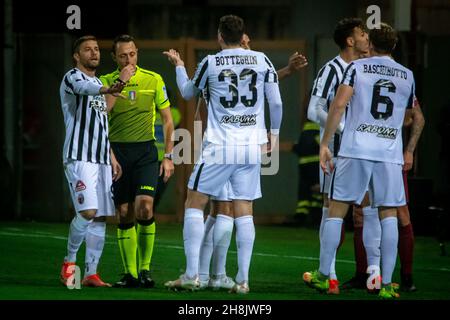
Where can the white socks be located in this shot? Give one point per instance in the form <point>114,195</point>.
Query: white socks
<point>372,236</point>
<point>206,250</point>
<point>322,224</point>
<point>389,242</point>
<point>245,237</point>
<point>193,231</point>
<point>77,232</point>
<point>329,243</point>
<point>95,241</point>
<point>223,229</point>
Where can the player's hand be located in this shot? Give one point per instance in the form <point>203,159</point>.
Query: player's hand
<point>174,57</point>
<point>296,62</point>
<point>116,169</point>
<point>127,72</point>
<point>119,95</point>
<point>326,160</point>
<point>167,168</point>
<point>117,87</point>
<point>270,145</point>
<point>408,159</point>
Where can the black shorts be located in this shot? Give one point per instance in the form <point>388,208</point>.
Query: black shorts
<point>140,170</point>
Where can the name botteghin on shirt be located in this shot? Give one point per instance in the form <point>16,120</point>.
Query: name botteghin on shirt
<point>237,59</point>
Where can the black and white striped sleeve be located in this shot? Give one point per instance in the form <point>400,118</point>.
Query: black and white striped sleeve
<point>349,76</point>
<point>80,84</point>
<point>189,88</point>
<point>325,81</point>
<point>201,74</point>
<point>271,75</point>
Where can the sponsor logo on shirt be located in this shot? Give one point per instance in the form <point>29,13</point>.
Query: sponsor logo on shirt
<point>380,131</point>
<point>242,120</point>
<point>98,103</point>
<point>80,186</point>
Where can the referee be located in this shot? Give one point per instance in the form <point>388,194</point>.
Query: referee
<point>132,136</point>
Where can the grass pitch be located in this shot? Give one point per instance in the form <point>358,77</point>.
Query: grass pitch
<point>31,256</point>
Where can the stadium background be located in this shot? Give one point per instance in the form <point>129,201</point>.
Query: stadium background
<point>36,54</point>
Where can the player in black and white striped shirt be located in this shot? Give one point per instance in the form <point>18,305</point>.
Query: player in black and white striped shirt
<point>88,163</point>
<point>352,40</point>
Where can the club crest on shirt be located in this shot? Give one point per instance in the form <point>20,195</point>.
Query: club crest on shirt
<point>80,186</point>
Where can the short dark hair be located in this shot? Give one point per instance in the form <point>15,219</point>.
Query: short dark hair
<point>76,45</point>
<point>384,38</point>
<point>231,28</point>
<point>344,29</point>
<point>121,38</point>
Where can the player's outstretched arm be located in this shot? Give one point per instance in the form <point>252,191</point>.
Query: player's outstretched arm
<point>418,122</point>
<point>186,86</point>
<point>296,62</point>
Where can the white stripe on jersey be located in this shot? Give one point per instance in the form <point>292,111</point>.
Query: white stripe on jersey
<point>325,86</point>
<point>234,81</point>
<point>383,90</point>
<point>85,118</point>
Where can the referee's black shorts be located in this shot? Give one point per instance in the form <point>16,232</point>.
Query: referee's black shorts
<point>140,170</point>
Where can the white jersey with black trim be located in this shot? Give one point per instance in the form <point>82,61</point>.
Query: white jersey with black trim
<point>382,91</point>
<point>234,84</point>
<point>325,86</point>
<point>85,118</point>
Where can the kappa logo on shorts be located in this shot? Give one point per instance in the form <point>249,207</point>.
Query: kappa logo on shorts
<point>80,186</point>
<point>80,198</point>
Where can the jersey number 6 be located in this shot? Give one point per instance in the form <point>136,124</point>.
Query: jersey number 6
<point>233,87</point>
<point>377,99</point>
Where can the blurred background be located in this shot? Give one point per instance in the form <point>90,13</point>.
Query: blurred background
<point>36,54</point>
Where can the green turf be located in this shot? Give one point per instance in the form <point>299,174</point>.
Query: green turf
<point>31,256</point>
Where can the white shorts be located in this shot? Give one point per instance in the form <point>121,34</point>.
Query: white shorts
<point>325,179</point>
<point>224,194</point>
<point>352,178</point>
<point>90,186</point>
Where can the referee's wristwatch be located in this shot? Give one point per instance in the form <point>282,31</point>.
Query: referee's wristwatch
<point>168,156</point>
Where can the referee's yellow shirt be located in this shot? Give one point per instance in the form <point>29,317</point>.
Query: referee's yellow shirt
<point>133,118</point>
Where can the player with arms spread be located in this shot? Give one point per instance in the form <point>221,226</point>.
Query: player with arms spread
<point>237,80</point>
